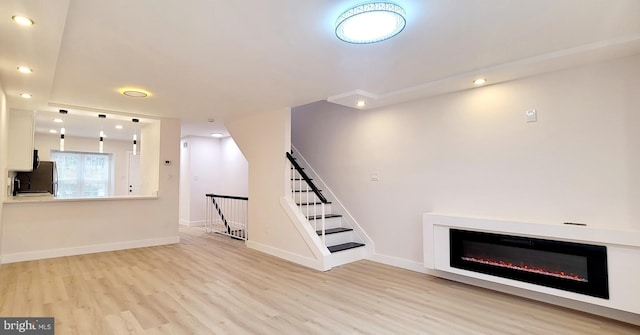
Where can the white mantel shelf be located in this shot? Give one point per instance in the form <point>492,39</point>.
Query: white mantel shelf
<point>560,231</point>
<point>623,252</point>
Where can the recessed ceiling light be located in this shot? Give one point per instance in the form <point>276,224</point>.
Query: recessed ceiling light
<point>53,131</point>
<point>119,126</point>
<point>135,92</point>
<point>218,135</point>
<point>361,103</point>
<point>370,23</point>
<point>26,95</point>
<point>57,120</point>
<point>22,20</point>
<point>24,69</point>
<point>479,81</point>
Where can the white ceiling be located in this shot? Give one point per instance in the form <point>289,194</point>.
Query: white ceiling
<point>205,59</point>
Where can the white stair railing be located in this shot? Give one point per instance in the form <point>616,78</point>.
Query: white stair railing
<point>227,215</point>
<point>309,199</point>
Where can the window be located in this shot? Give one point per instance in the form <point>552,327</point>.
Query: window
<point>83,174</point>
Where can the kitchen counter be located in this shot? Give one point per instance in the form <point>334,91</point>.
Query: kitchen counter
<point>49,198</point>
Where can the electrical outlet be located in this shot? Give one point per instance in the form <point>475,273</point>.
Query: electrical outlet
<point>375,176</point>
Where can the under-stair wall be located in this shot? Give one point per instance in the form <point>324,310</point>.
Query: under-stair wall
<point>263,138</point>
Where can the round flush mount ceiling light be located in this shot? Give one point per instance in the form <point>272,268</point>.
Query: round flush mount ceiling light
<point>26,95</point>
<point>361,103</point>
<point>371,22</point>
<point>135,92</point>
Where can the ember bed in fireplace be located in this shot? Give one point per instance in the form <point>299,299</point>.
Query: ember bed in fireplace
<point>574,267</point>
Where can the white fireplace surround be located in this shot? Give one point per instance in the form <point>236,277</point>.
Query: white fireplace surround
<point>623,255</point>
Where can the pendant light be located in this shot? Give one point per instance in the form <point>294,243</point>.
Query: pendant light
<point>62,130</point>
<point>135,137</point>
<point>101,141</point>
<point>62,139</point>
<point>101,145</point>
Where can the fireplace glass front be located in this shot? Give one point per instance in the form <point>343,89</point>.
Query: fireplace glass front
<point>574,267</point>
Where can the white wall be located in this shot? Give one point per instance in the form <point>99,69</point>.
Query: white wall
<point>184,210</point>
<point>151,155</point>
<point>4,147</point>
<point>33,230</point>
<point>264,138</point>
<point>473,154</point>
<point>201,176</point>
<point>119,149</point>
<point>209,165</point>
<point>234,169</point>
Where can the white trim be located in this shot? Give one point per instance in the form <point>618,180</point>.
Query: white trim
<point>309,235</point>
<point>398,262</point>
<point>199,223</point>
<point>286,255</point>
<point>88,249</point>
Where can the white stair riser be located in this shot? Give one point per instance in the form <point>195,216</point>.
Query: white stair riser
<point>317,209</point>
<point>299,197</point>
<point>297,186</point>
<point>345,256</point>
<point>339,238</point>
<point>328,223</point>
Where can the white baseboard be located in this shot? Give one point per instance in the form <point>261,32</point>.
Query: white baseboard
<point>199,223</point>
<point>399,263</point>
<point>289,256</point>
<point>88,249</point>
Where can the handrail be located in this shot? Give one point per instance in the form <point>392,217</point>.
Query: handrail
<point>211,195</point>
<point>227,221</point>
<point>306,179</point>
<point>219,210</point>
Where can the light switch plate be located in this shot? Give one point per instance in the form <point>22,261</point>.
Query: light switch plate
<point>532,115</point>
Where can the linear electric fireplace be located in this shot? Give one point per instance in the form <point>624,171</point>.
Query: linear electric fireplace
<point>574,267</point>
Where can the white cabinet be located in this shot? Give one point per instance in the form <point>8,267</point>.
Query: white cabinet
<point>21,140</point>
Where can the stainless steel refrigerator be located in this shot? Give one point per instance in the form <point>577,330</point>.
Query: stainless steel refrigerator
<point>43,179</point>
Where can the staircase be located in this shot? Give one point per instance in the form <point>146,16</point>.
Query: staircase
<point>342,242</point>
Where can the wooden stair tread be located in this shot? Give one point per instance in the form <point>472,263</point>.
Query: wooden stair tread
<point>311,203</point>
<point>327,216</point>
<point>344,246</point>
<point>333,231</point>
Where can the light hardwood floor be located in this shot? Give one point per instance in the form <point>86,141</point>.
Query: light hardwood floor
<point>210,284</point>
